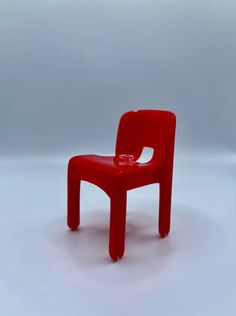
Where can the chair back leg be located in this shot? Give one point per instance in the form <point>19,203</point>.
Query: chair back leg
<point>165,208</point>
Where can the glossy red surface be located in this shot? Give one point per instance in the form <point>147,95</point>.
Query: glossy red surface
<point>122,172</point>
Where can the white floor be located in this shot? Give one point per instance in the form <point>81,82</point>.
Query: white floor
<point>47,270</point>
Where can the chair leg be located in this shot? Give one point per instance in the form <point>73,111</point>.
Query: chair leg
<point>165,208</point>
<point>73,206</point>
<point>117,225</point>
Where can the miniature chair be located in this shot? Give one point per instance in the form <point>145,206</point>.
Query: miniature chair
<point>122,172</point>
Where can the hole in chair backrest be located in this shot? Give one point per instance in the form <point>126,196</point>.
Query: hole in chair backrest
<point>146,155</point>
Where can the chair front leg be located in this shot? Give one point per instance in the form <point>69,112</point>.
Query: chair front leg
<point>117,224</point>
<point>165,207</point>
<point>73,199</point>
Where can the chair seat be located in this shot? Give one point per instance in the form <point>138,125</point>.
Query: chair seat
<point>106,170</point>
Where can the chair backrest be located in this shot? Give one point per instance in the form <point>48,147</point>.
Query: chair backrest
<point>147,128</point>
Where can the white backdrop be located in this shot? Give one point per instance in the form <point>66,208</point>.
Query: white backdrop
<point>70,68</point>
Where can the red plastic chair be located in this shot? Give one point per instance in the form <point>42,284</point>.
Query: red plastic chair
<point>117,174</point>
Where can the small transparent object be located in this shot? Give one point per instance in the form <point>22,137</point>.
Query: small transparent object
<point>125,160</point>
